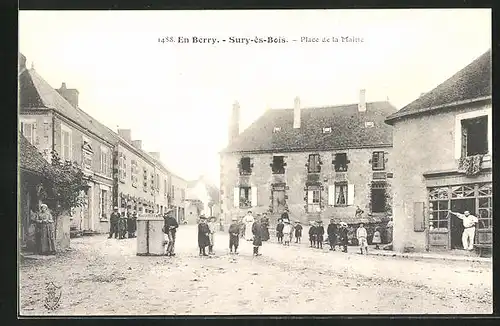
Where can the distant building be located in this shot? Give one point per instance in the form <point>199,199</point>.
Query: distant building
<point>443,143</point>
<point>202,198</point>
<point>317,162</point>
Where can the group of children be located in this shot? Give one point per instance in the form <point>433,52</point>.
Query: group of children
<point>285,231</point>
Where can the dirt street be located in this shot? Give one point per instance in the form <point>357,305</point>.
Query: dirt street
<point>105,277</point>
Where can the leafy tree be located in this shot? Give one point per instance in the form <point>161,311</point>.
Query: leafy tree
<point>67,183</point>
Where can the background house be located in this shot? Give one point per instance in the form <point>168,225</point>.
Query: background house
<point>317,162</point>
<point>433,137</point>
<point>202,197</point>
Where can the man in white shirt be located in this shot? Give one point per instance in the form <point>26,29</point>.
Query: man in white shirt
<point>361,235</point>
<point>469,222</point>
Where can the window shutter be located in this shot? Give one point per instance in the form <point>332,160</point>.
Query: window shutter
<point>310,196</point>
<point>350,194</point>
<point>331,195</point>
<point>34,133</point>
<point>254,196</point>
<point>236,197</point>
<point>418,217</point>
<point>464,142</point>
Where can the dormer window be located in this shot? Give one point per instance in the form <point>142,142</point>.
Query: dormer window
<point>276,129</point>
<point>369,124</point>
<point>327,130</point>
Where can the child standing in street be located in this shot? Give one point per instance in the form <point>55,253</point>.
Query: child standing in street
<point>287,231</point>
<point>376,238</point>
<point>361,235</point>
<point>312,235</point>
<point>279,230</point>
<point>320,232</point>
<point>298,232</point>
<point>234,235</point>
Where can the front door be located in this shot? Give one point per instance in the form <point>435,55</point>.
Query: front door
<point>278,201</point>
<point>456,225</point>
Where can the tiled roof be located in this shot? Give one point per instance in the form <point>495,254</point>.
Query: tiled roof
<point>347,125</point>
<point>36,93</point>
<point>472,82</point>
<point>30,159</point>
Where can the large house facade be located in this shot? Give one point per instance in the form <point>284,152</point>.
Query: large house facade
<point>443,141</point>
<point>319,163</point>
<point>51,123</point>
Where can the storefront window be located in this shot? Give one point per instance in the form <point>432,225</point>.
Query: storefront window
<point>439,214</point>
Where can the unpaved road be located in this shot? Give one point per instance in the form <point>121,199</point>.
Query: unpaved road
<point>105,277</point>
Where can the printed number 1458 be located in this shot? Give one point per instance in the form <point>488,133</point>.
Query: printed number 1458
<point>168,39</point>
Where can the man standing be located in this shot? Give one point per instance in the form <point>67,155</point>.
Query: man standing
<point>361,235</point>
<point>234,235</point>
<point>332,234</point>
<point>113,223</point>
<point>469,221</point>
<point>257,236</point>
<point>203,232</point>
<point>170,226</point>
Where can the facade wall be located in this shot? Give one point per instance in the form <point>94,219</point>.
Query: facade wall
<point>422,144</point>
<point>359,175</point>
<point>42,134</point>
<point>178,195</point>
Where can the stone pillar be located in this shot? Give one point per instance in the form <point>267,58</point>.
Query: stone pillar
<point>150,236</point>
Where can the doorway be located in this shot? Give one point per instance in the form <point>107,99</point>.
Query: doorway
<point>456,225</point>
<point>278,201</point>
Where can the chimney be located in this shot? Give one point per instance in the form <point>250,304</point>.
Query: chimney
<point>22,63</point>
<point>137,144</point>
<point>296,113</point>
<point>156,155</point>
<point>70,94</point>
<point>234,123</point>
<point>362,101</point>
<point>125,134</point>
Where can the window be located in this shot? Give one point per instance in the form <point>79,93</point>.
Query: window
<point>341,194</point>
<point>245,166</point>
<point>245,197</point>
<point>314,165</point>
<point>173,192</point>
<point>104,161</point>
<point>276,129</point>
<point>28,130</point>
<point>327,130</point>
<point>65,143</point>
<point>485,209</point>
<point>133,173</point>
<point>121,167</point>
<point>340,162</point>
<point>165,189</point>
<point>378,161</point>
<point>104,203</point>
<point>378,198</point>
<point>145,179</point>
<point>278,165</point>
<point>475,136</point>
<point>87,153</point>
<point>313,200</point>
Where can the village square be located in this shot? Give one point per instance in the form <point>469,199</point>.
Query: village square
<point>359,208</point>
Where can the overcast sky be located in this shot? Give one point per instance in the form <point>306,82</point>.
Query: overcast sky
<point>176,98</point>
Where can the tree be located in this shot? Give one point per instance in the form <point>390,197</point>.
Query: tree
<point>67,182</point>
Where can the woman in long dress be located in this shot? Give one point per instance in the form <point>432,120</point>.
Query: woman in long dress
<point>45,234</point>
<point>248,226</point>
<point>265,227</point>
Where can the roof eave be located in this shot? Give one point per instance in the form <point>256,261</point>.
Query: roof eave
<point>298,150</point>
<point>396,117</point>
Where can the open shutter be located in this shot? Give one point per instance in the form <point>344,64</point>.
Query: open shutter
<point>331,195</point>
<point>350,194</point>
<point>236,201</point>
<point>254,196</point>
<point>34,134</point>
<point>310,196</point>
<point>418,217</point>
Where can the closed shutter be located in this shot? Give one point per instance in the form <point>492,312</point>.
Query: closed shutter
<point>254,196</point>
<point>331,195</point>
<point>418,217</point>
<point>236,202</point>
<point>350,194</point>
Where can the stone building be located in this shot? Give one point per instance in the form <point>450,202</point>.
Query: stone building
<point>52,121</point>
<point>202,198</point>
<point>178,196</point>
<point>318,162</point>
<point>443,142</point>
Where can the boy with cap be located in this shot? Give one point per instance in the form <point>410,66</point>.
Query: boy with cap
<point>279,230</point>
<point>320,232</point>
<point>234,235</point>
<point>203,232</point>
<point>298,231</point>
<point>113,223</point>
<point>312,234</point>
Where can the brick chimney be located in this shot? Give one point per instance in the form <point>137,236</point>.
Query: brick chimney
<point>22,63</point>
<point>362,101</point>
<point>125,134</point>
<point>296,113</point>
<point>70,94</point>
<point>137,144</point>
<point>156,155</point>
<point>234,122</point>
